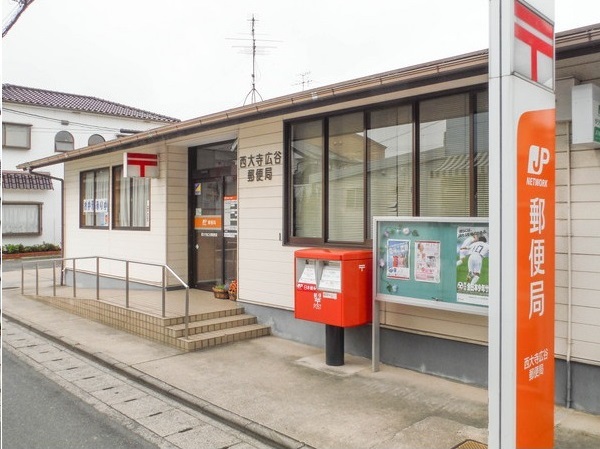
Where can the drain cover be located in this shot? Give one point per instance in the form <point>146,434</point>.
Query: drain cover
<point>470,444</point>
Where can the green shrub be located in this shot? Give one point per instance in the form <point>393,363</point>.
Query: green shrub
<point>20,248</point>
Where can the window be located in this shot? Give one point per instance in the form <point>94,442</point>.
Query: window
<point>444,138</point>
<point>481,141</point>
<point>346,186</point>
<point>64,141</point>
<point>94,198</point>
<point>16,136</point>
<point>21,219</point>
<point>425,158</point>
<point>390,149</point>
<point>131,201</point>
<point>95,139</point>
<point>307,151</point>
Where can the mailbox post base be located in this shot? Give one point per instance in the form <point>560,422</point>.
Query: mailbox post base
<point>334,345</point>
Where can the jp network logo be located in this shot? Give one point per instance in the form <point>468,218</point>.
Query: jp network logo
<point>538,158</point>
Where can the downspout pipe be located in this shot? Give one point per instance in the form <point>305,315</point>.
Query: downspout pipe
<point>569,385</point>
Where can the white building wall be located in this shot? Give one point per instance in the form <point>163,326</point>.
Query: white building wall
<point>45,124</point>
<point>265,266</point>
<point>143,246</point>
<point>177,226</point>
<point>578,295</point>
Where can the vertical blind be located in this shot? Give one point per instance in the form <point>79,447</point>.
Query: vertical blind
<point>307,179</point>
<point>443,134</point>
<point>390,143</point>
<point>346,168</point>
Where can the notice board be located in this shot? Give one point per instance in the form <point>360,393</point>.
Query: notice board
<point>436,262</point>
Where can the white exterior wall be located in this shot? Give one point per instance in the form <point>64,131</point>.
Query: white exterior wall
<point>45,124</point>
<point>145,246</point>
<point>582,287</point>
<point>176,206</point>
<point>265,265</point>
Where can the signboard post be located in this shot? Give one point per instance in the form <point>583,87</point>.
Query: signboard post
<point>522,166</point>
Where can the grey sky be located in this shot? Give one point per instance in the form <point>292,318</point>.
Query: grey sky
<point>179,57</point>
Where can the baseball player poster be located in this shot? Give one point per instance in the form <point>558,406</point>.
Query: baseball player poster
<point>472,251</point>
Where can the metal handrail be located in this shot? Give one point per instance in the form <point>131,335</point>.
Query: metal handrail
<point>74,260</point>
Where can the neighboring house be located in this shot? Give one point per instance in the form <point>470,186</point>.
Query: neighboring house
<point>38,123</point>
<point>239,191</point>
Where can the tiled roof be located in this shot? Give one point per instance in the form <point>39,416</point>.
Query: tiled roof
<point>83,103</point>
<point>19,180</point>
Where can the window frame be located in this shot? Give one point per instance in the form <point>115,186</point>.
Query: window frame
<point>40,210</point>
<point>5,133</point>
<point>114,201</point>
<point>100,139</point>
<point>472,93</point>
<point>56,141</point>
<point>82,224</point>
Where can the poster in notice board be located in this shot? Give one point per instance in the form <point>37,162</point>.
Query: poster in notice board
<point>432,262</point>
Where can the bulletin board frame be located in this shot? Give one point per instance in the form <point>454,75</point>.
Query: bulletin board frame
<point>424,262</point>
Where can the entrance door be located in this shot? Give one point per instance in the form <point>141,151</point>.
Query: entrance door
<point>214,259</point>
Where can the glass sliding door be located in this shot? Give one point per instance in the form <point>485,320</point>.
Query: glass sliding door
<point>213,214</point>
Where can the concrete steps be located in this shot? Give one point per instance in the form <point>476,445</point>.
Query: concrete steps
<point>219,337</point>
<point>211,325</point>
<point>216,326</point>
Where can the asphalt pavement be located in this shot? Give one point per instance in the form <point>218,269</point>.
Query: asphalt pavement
<point>284,389</point>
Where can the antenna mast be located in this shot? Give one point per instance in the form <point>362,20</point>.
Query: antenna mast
<point>254,50</point>
<point>253,92</point>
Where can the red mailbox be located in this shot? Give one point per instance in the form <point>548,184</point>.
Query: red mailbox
<point>334,286</point>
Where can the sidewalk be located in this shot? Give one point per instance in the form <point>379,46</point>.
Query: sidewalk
<point>284,389</point>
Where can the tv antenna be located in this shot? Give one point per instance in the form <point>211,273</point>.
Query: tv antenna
<point>253,50</point>
<point>305,80</point>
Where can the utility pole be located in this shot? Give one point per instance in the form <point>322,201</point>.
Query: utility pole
<point>22,6</point>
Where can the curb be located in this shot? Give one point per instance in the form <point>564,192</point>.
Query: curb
<point>238,422</point>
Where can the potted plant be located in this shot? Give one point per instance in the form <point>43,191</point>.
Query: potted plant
<point>233,290</point>
<point>220,291</point>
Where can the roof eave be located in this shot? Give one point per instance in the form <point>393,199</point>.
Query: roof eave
<point>311,98</point>
<point>565,42</point>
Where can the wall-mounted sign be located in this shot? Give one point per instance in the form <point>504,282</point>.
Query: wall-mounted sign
<point>586,115</point>
<point>208,222</point>
<point>140,165</point>
<point>432,262</point>
<point>230,214</point>
<point>259,166</point>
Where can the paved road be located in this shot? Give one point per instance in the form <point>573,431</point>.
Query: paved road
<point>55,398</point>
<point>39,413</point>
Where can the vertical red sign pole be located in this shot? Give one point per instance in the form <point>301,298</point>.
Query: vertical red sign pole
<point>522,202</point>
<point>535,279</point>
